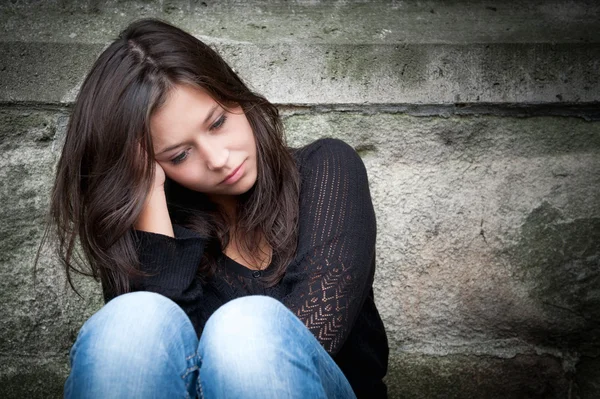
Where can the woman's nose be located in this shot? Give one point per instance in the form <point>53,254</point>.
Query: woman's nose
<point>215,156</point>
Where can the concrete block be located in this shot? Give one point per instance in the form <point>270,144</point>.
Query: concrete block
<point>342,74</point>
<point>487,244</point>
<point>456,377</point>
<point>313,21</point>
<point>41,314</point>
<point>487,201</point>
<point>33,375</point>
<point>588,378</point>
<point>487,228</point>
<point>353,52</point>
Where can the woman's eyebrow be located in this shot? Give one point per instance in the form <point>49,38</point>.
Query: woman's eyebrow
<point>172,147</point>
<point>208,116</point>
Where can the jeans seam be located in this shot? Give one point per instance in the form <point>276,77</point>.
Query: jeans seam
<point>199,384</point>
<point>187,372</point>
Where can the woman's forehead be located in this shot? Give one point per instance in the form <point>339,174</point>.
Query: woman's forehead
<point>185,107</point>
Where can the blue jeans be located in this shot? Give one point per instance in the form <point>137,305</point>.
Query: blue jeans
<point>143,345</point>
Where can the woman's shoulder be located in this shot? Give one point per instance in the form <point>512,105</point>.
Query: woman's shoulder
<point>324,150</point>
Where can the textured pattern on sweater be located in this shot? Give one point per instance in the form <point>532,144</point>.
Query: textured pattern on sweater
<point>337,240</point>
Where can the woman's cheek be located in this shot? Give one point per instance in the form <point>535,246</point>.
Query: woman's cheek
<point>189,174</point>
<point>172,173</point>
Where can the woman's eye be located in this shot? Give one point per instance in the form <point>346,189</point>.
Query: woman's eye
<point>219,122</point>
<point>179,158</point>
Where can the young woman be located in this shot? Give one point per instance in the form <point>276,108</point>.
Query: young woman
<point>231,265</point>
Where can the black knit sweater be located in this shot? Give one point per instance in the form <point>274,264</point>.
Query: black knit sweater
<point>328,285</point>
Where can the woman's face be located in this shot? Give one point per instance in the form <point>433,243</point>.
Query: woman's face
<point>199,144</point>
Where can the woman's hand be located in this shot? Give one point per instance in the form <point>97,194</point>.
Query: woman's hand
<point>155,215</point>
<point>159,177</point>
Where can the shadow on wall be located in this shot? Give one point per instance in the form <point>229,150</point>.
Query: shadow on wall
<point>560,260</point>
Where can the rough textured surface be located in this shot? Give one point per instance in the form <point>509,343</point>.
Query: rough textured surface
<point>588,377</point>
<point>459,376</point>
<point>487,195</point>
<point>39,316</point>
<point>33,376</point>
<point>488,243</point>
<point>488,227</point>
<point>312,21</point>
<point>345,74</point>
<point>314,52</point>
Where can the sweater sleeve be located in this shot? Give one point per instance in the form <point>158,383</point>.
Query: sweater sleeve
<point>336,246</point>
<point>173,263</point>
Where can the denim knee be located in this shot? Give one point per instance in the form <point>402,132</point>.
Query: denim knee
<point>139,344</point>
<point>255,347</point>
<point>252,315</point>
<point>136,328</point>
<point>250,330</point>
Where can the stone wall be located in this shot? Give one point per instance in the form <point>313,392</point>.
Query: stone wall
<point>478,124</point>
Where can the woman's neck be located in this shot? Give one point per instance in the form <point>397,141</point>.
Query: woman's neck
<point>256,259</point>
<point>227,205</point>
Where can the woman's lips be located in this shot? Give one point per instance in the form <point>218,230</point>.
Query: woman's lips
<point>235,175</point>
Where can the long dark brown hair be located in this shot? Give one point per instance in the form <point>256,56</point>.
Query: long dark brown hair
<point>103,178</point>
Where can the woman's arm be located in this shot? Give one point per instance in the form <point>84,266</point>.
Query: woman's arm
<point>155,215</point>
<point>329,285</point>
<point>170,252</point>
